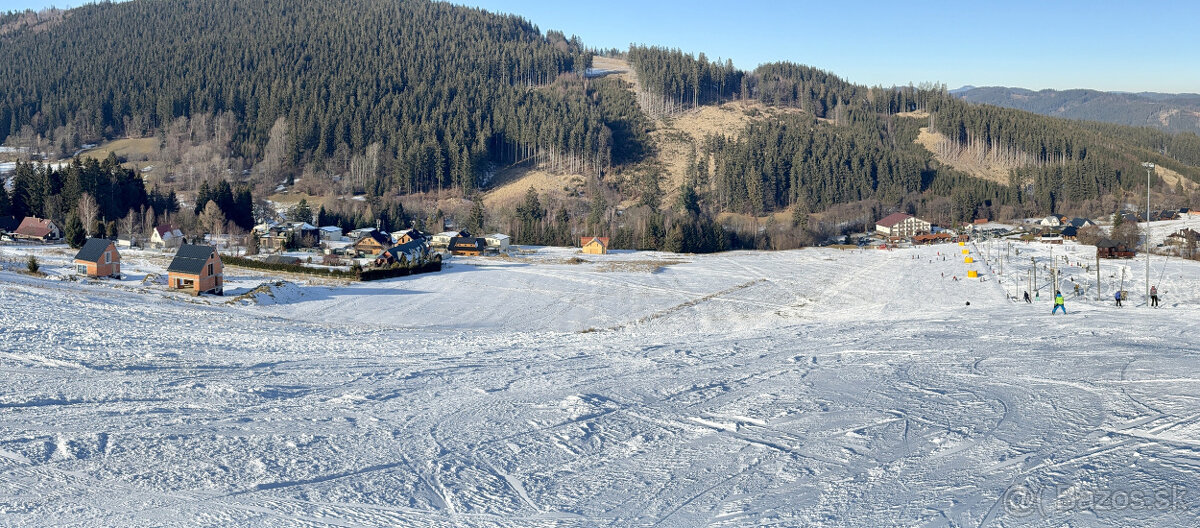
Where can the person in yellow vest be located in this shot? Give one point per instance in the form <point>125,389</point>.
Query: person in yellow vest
<point>1059,302</point>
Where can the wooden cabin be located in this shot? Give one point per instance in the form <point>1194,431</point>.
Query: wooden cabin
<point>1111,249</point>
<point>197,268</point>
<point>371,244</point>
<point>98,258</point>
<point>468,246</point>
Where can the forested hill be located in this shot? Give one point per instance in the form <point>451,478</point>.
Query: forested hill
<point>1169,112</point>
<point>421,91</point>
<point>855,143</point>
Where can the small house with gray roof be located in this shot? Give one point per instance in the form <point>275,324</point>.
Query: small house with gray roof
<point>197,268</point>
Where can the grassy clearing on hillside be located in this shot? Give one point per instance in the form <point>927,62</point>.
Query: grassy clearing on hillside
<point>132,149</point>
<point>513,183</point>
<point>982,170</point>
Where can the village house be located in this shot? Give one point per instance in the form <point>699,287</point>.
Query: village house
<point>98,258</point>
<point>1051,221</point>
<point>197,268</point>
<point>166,236</point>
<point>371,244</point>
<point>933,238</point>
<point>443,239</point>
<point>594,245</point>
<point>1111,249</point>
<point>332,234</point>
<point>405,236</point>
<point>40,229</point>
<point>900,225</point>
<point>1069,233</point>
<point>408,254</point>
<point>468,246</point>
<point>497,242</point>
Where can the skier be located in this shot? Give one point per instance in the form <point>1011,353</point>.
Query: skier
<point>1077,289</point>
<point>1154,296</point>
<point>1059,302</point>
<point>1027,299</point>
<point>1117,296</point>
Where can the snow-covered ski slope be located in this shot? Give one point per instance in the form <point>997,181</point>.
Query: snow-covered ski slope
<point>802,388</point>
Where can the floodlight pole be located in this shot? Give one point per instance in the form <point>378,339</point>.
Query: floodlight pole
<point>1149,169</point>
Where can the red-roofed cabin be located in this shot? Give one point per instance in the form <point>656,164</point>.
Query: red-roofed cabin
<point>33,228</point>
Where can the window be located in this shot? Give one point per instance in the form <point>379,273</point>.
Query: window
<point>107,257</point>
<point>210,268</point>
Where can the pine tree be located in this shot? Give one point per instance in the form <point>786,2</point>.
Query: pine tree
<point>74,233</point>
<point>475,222</point>
<point>301,212</point>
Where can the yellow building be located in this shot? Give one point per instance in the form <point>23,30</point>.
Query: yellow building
<point>594,245</point>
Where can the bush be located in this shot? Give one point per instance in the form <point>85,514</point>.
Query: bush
<point>32,264</point>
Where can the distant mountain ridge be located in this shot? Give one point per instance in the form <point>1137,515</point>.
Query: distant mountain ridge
<point>1168,112</point>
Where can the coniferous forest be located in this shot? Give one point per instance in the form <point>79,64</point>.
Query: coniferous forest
<point>390,99</point>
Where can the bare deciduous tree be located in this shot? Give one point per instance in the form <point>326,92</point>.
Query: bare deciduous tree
<point>274,154</point>
<point>212,219</point>
<point>88,211</point>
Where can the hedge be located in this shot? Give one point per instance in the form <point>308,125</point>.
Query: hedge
<point>380,274</point>
<point>292,268</point>
<point>362,275</point>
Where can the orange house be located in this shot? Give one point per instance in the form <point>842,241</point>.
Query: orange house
<point>98,258</point>
<point>197,268</point>
<point>594,245</point>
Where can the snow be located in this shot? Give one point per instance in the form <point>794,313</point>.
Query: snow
<point>818,387</point>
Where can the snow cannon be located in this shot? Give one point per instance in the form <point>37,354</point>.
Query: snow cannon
<point>966,252</point>
<point>968,260</point>
<point>962,243</point>
<point>972,274</point>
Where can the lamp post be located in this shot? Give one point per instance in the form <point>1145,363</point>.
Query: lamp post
<point>1149,169</point>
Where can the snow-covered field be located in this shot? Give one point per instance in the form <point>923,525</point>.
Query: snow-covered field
<point>802,388</point>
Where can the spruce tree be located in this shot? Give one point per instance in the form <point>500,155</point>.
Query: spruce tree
<point>74,233</point>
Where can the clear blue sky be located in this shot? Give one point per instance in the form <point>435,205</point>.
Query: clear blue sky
<point>1128,46</point>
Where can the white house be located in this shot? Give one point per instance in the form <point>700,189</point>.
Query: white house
<point>901,225</point>
<point>442,239</point>
<point>332,234</point>
<point>166,236</point>
<point>1051,221</point>
<point>497,242</point>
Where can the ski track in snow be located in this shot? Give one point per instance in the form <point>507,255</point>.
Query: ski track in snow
<point>800,388</point>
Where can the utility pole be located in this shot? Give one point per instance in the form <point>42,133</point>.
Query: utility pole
<point>1098,298</point>
<point>1149,169</point>
<point>1033,284</point>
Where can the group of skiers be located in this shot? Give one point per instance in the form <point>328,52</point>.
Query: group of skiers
<point>1153,297</point>
<point>1060,303</point>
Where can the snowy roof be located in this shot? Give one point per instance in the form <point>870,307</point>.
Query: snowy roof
<point>498,236</point>
<point>330,229</point>
<point>893,219</point>
<point>167,231</point>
